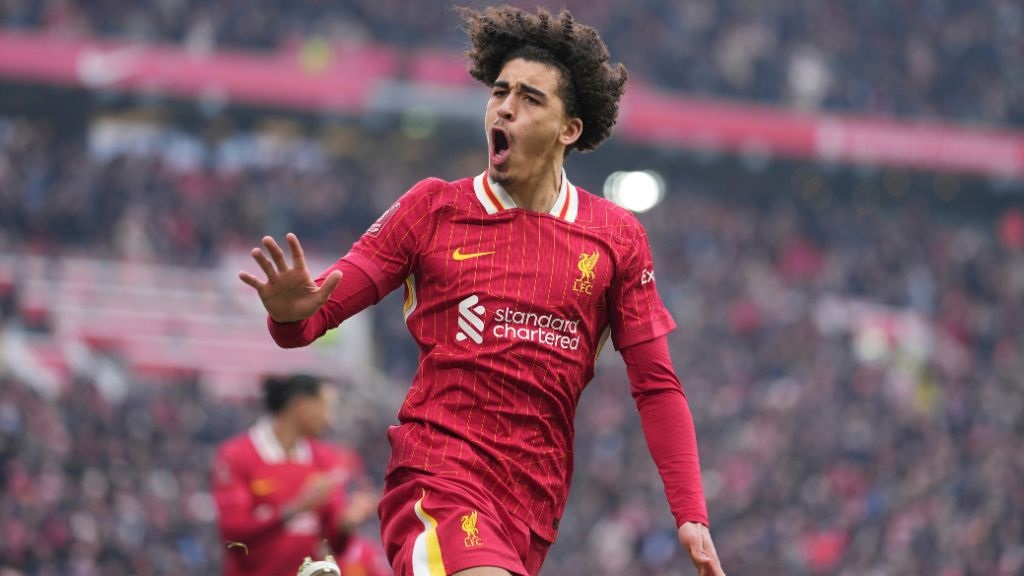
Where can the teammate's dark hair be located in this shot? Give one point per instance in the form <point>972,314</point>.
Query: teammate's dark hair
<point>590,87</point>
<point>278,391</point>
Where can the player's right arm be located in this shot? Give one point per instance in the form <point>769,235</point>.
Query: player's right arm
<point>289,293</point>
<point>301,309</point>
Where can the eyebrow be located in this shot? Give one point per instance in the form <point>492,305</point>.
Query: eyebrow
<point>522,86</point>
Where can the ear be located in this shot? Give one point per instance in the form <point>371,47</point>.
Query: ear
<point>572,129</point>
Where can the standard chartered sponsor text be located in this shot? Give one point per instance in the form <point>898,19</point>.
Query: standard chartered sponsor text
<point>541,328</point>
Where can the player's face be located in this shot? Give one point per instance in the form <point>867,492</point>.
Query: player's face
<point>316,411</point>
<point>527,129</point>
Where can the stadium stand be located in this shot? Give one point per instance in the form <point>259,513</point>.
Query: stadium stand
<point>919,58</point>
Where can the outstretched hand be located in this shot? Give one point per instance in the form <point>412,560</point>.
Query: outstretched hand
<point>289,293</point>
<point>696,539</point>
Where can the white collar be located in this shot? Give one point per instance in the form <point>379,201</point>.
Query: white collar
<point>494,198</point>
<point>269,447</point>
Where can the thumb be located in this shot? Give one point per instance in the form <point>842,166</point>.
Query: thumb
<point>330,283</point>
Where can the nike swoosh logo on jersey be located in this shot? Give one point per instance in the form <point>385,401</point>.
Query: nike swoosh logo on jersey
<point>459,256</point>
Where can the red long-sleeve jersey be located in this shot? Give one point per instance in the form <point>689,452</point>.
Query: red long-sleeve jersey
<point>510,309</point>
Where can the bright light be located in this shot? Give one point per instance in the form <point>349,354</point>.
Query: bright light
<point>871,345</point>
<point>635,191</point>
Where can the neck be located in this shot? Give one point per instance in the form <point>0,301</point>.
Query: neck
<point>539,192</point>
<point>286,433</point>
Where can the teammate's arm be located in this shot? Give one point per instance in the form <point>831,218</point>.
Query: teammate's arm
<point>344,514</point>
<point>668,427</point>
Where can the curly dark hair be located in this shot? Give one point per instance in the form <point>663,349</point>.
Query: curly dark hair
<point>590,86</point>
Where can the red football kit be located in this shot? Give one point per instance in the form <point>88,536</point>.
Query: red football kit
<point>510,309</point>
<point>253,478</point>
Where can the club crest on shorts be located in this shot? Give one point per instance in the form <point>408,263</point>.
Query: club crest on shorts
<point>472,533</point>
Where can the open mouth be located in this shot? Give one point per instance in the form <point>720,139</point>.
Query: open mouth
<point>501,146</point>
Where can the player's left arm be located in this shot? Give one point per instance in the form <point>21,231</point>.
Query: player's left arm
<point>639,327</point>
<point>672,440</point>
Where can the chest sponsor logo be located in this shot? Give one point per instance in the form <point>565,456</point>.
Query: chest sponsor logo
<point>511,324</point>
<point>585,283</point>
<point>472,532</point>
<point>471,320</point>
<point>459,255</point>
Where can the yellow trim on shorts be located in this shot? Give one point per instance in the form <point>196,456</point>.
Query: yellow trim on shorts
<point>426,551</point>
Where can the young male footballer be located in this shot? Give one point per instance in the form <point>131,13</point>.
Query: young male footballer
<point>513,281</point>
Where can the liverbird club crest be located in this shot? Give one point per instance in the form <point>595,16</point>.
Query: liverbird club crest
<point>472,532</point>
<point>585,283</point>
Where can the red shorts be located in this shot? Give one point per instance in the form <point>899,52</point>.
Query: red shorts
<point>434,526</point>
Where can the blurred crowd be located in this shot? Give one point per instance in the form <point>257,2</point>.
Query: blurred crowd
<point>91,487</point>
<point>881,443</point>
<point>88,487</point>
<point>920,58</point>
<point>150,203</point>
<point>851,349</point>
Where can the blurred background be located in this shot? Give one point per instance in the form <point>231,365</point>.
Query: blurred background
<point>840,237</point>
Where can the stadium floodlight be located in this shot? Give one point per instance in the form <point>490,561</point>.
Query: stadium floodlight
<point>638,191</point>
